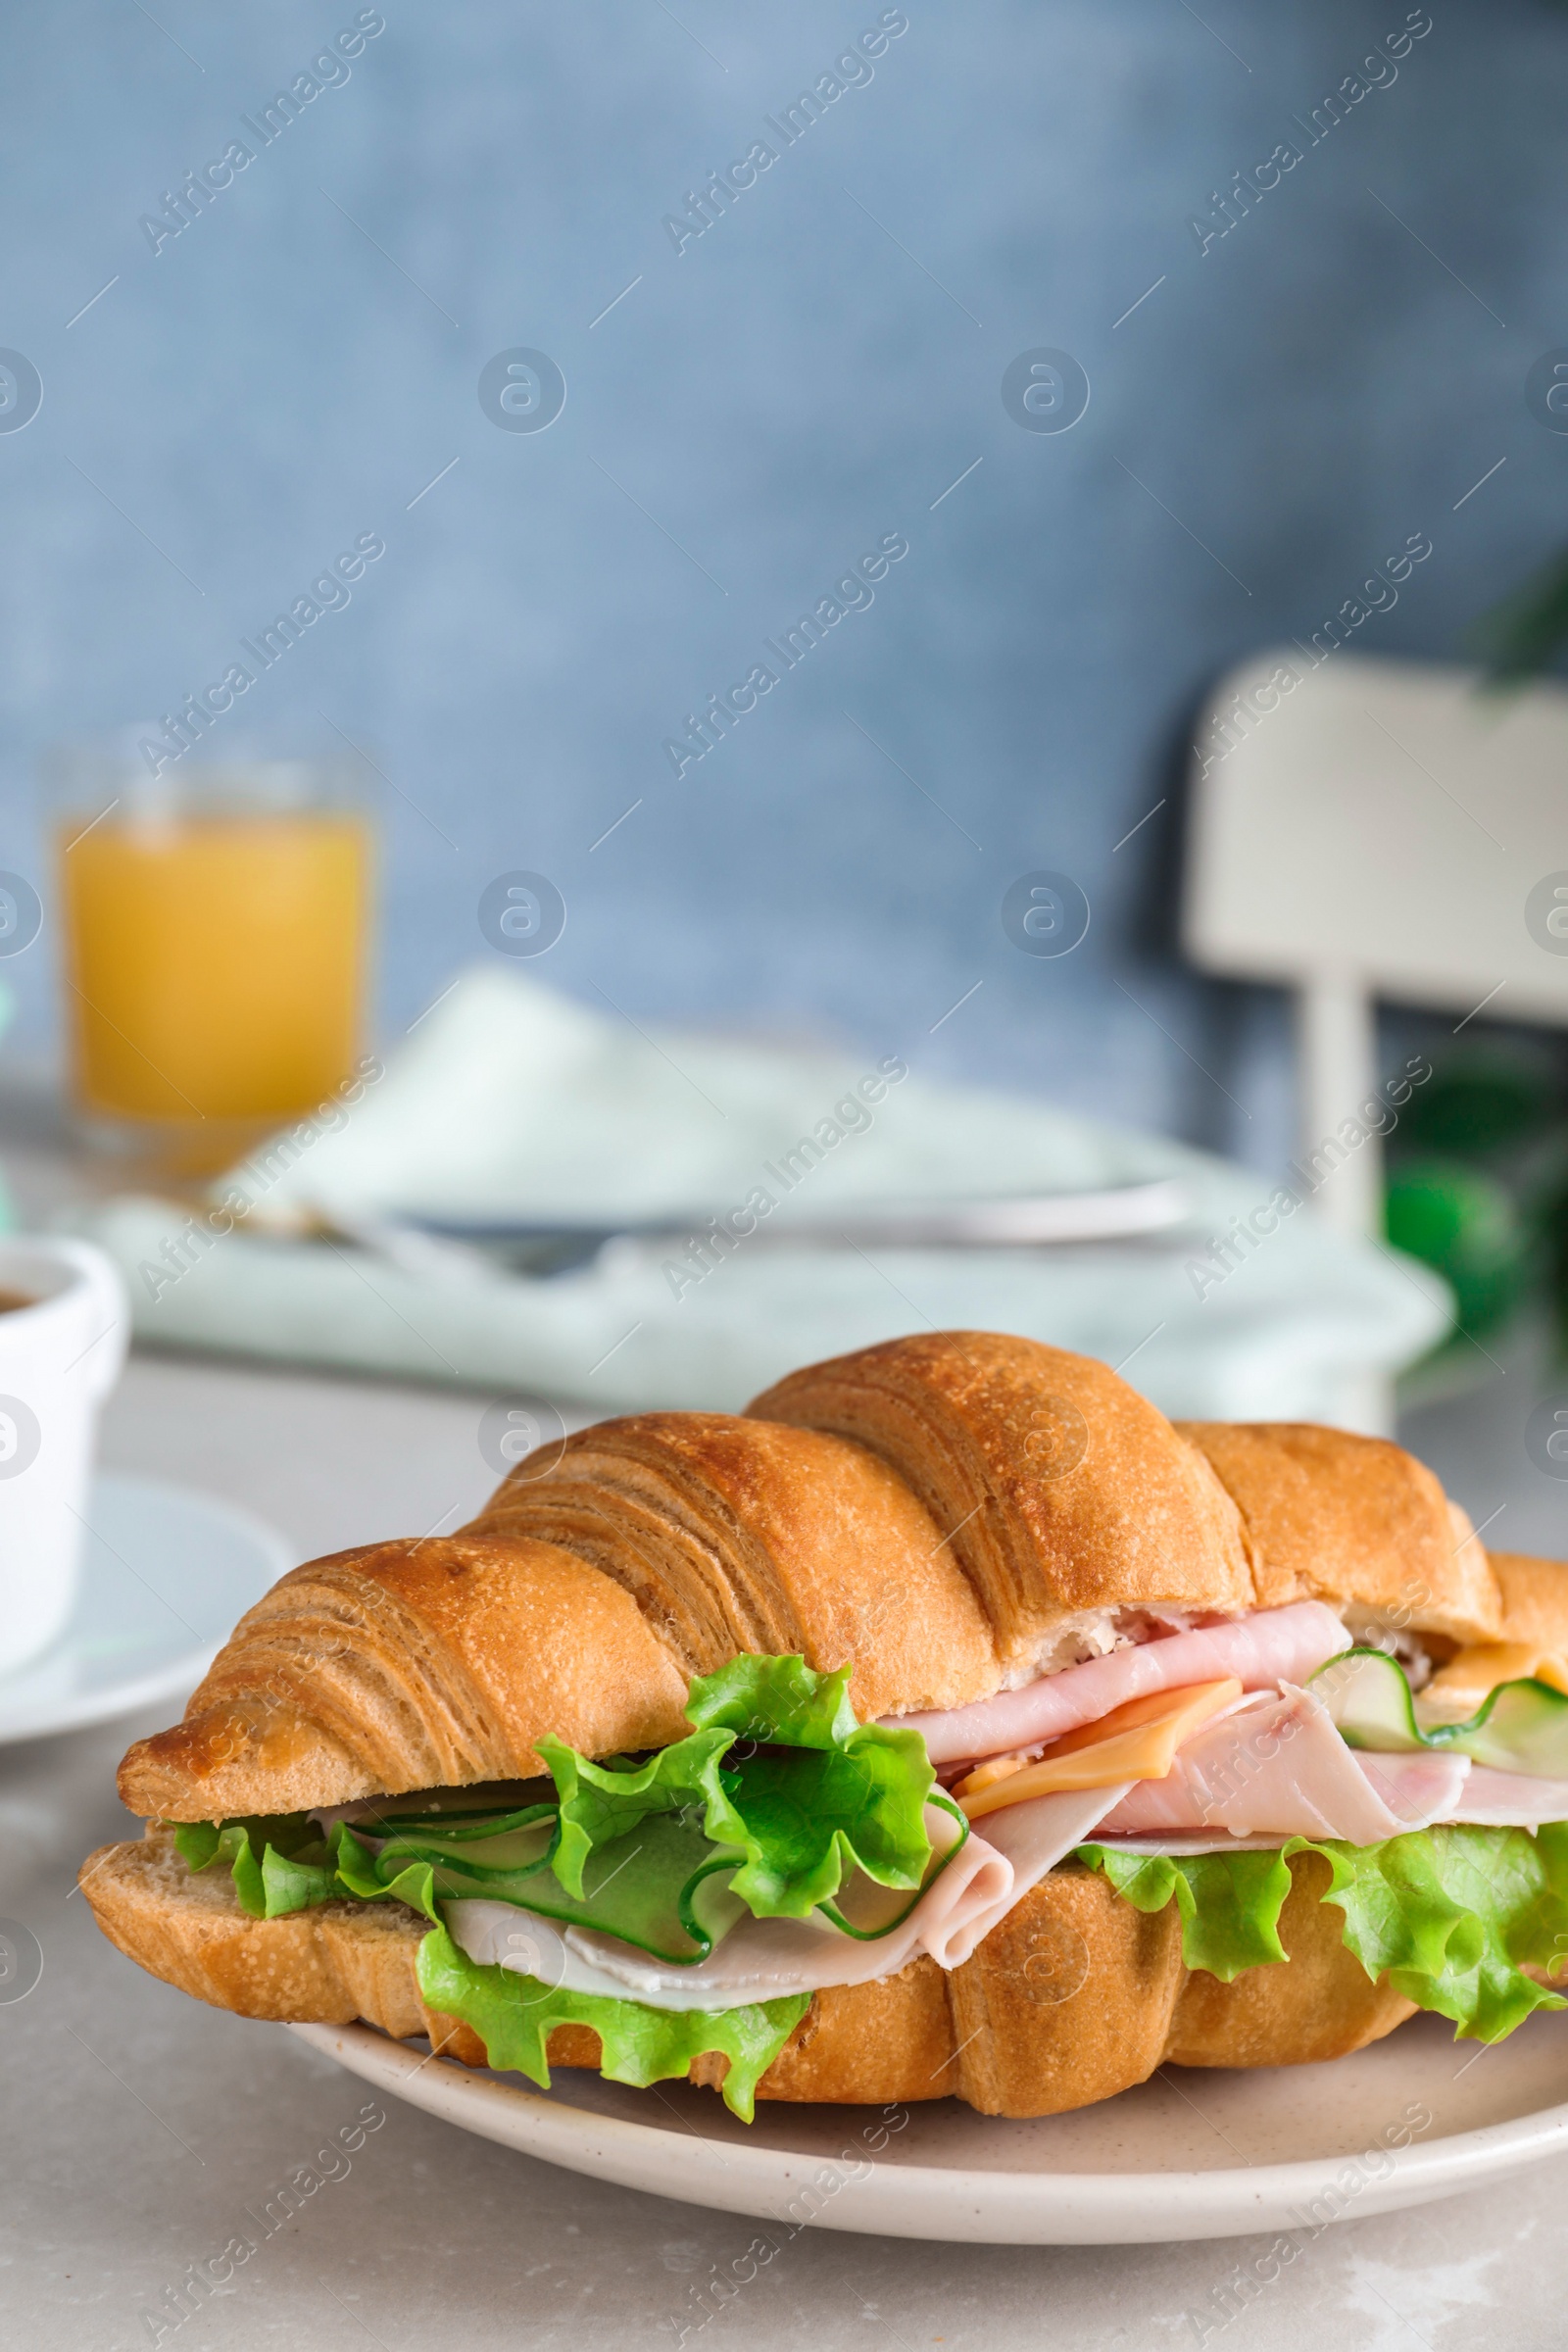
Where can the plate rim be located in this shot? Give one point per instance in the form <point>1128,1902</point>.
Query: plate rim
<point>81,1712</point>
<point>925,2201</point>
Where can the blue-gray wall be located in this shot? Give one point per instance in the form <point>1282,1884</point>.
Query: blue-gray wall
<point>807,376</point>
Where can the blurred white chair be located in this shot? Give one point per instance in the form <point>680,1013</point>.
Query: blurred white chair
<point>1378,829</point>
<point>1361,829</point>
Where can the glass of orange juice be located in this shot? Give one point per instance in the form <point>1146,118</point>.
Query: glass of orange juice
<point>214,923</point>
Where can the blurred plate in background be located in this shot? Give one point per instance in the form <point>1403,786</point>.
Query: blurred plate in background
<point>165,1574</point>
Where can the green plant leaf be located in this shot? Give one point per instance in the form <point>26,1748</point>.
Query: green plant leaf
<point>781,1701</point>
<point>514,2017</point>
<point>1451,1916</point>
<point>806,1818</point>
<point>820,1795</point>
<point>781,1773</point>
<point>358,1874</point>
<point>774,1802</point>
<point>279,1862</point>
<point>602,1802</point>
<point>1230,1904</point>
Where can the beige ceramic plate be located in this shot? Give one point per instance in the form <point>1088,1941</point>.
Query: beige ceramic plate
<point>1188,2154</point>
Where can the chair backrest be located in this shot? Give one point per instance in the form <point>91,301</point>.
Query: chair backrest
<point>1385,826</point>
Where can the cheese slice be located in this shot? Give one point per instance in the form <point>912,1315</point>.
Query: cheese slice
<point>1456,1689</point>
<point>1136,1742</point>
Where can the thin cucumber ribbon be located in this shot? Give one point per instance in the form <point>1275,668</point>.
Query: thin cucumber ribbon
<point>1519,1726</point>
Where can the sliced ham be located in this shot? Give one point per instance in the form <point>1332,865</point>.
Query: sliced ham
<point>1407,1784</point>
<point>1508,1801</point>
<point>764,1959</point>
<point>1265,1649</point>
<point>1180,1844</point>
<point>1034,1836</point>
<point>1418,1788</point>
<point>1279,1765</point>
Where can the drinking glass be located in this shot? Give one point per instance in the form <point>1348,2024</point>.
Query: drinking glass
<point>215,919</point>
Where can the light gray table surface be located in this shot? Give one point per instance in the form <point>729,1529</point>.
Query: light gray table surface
<point>140,2125</point>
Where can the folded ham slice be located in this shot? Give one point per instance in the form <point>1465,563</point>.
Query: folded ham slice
<point>1278,1764</point>
<point>1487,1799</point>
<point>1268,1647</point>
<point>1508,1801</point>
<point>764,1959</point>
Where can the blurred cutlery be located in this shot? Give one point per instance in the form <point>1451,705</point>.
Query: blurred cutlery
<point>469,1249</point>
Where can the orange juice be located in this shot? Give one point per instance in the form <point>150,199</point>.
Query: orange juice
<point>214,961</point>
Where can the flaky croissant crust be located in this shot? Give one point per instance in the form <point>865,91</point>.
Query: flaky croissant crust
<point>948,1512</point>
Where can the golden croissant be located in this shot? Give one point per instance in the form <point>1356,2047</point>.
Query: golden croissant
<point>949,1723</point>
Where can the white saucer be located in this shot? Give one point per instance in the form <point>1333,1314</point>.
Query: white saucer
<point>165,1574</point>
<point>1188,2154</point>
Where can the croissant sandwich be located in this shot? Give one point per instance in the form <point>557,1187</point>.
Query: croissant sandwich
<point>949,1724</point>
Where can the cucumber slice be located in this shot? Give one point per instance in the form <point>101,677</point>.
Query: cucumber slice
<point>498,1849</point>
<point>454,1828</point>
<point>873,1901</point>
<point>1369,1701</point>
<point>1520,1727</point>
<point>663,1886</point>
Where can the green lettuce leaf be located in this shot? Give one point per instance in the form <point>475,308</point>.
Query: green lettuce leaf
<point>806,1818</point>
<point>601,1803</point>
<point>359,1873</point>
<point>279,1862</point>
<point>1229,1904</point>
<point>819,1796</point>
<point>773,1804</point>
<point>779,1701</point>
<point>296,1882</point>
<point>779,1773</point>
<point>514,2017</point>
<point>1451,1916</point>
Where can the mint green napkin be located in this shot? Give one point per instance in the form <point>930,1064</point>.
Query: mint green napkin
<point>509,1100</point>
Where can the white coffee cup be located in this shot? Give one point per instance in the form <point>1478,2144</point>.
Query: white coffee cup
<point>60,1355</point>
